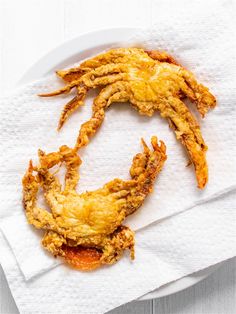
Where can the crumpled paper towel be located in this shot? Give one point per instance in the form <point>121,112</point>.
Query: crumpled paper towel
<point>29,122</point>
<point>203,43</point>
<point>174,248</point>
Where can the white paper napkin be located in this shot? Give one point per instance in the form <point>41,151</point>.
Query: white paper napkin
<point>174,248</point>
<point>29,122</point>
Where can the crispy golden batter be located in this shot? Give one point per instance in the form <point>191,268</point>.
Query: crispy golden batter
<point>150,81</point>
<point>86,229</point>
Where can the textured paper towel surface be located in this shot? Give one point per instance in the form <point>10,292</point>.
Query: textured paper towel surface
<point>165,252</point>
<point>203,44</point>
<point>29,122</point>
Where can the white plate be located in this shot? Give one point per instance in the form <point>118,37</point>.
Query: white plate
<point>82,47</point>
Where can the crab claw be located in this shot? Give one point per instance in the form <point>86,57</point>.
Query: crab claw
<point>29,178</point>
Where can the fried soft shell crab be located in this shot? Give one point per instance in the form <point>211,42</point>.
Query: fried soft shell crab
<point>151,81</point>
<point>86,229</point>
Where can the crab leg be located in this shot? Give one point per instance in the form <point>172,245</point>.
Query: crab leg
<point>50,183</point>
<point>72,74</point>
<point>189,136</point>
<point>144,170</point>
<point>73,162</point>
<point>102,75</point>
<point>36,216</point>
<point>184,112</point>
<point>109,94</point>
<point>72,105</point>
<point>112,56</point>
<point>122,239</point>
<point>64,90</point>
<point>161,56</point>
<point>53,242</point>
<point>198,93</point>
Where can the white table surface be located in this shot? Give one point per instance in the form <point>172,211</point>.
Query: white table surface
<point>30,28</point>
